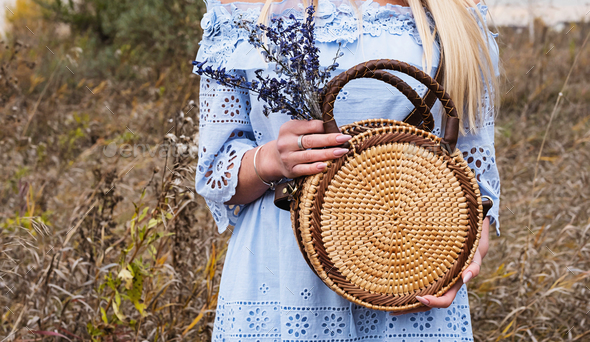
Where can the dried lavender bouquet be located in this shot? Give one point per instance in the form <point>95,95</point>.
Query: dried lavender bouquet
<point>300,79</point>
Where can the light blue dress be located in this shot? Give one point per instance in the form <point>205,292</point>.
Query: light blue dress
<point>267,291</point>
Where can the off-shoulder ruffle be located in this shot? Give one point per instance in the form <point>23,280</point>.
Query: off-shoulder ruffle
<point>224,44</point>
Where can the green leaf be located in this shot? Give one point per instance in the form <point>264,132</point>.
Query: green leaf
<point>133,227</point>
<point>143,214</point>
<point>103,314</point>
<point>117,298</point>
<point>130,268</point>
<point>154,237</point>
<point>118,313</point>
<point>152,223</point>
<point>136,290</point>
<point>113,284</point>
<point>152,250</point>
<point>102,285</point>
<point>140,307</point>
<point>129,248</point>
<point>92,331</point>
<point>142,232</point>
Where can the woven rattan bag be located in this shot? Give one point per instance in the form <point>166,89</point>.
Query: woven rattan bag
<point>400,215</point>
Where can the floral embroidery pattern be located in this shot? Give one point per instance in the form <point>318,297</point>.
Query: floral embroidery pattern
<point>218,167</point>
<point>391,324</point>
<point>258,136</point>
<point>297,325</point>
<point>342,96</point>
<point>421,89</point>
<point>257,319</point>
<point>436,131</point>
<point>481,159</point>
<point>367,321</point>
<point>446,325</point>
<point>422,322</point>
<point>333,325</point>
<point>306,294</point>
<point>457,320</point>
<point>263,288</point>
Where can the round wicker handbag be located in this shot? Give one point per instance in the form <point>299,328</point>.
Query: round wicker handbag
<point>400,214</point>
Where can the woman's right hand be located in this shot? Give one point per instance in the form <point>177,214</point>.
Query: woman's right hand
<point>284,158</point>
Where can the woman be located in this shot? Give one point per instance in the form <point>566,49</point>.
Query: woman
<point>267,291</point>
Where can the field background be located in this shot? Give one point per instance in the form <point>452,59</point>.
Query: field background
<point>98,246</point>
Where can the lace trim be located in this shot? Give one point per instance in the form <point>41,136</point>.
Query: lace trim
<point>335,23</point>
<point>221,150</point>
<point>481,158</point>
<point>270,319</point>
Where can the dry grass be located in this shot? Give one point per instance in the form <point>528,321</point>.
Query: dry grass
<point>121,249</point>
<point>96,246</point>
<point>534,284</point>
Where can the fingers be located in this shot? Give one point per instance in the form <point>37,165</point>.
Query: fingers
<point>313,134</point>
<point>296,163</point>
<point>473,270</point>
<point>311,156</point>
<point>308,169</point>
<point>298,127</point>
<point>443,301</point>
<point>430,302</point>
<point>447,299</point>
<point>324,140</point>
<point>485,238</point>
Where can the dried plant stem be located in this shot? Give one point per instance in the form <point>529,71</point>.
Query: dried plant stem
<point>532,196</point>
<point>30,118</point>
<point>553,113</point>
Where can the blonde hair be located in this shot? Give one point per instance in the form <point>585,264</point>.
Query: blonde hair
<point>468,66</point>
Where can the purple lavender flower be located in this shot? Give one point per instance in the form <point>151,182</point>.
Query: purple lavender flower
<point>298,87</point>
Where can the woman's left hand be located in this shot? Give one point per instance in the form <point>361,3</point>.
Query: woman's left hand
<point>469,273</point>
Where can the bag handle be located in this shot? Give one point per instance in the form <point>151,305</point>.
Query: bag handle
<point>419,117</point>
<point>416,117</point>
<point>375,69</point>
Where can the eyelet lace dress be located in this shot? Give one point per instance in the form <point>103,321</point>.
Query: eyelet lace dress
<point>267,291</point>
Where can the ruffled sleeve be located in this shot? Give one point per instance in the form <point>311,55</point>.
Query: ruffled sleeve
<point>225,136</point>
<point>226,133</point>
<point>224,44</point>
<point>478,148</point>
<point>480,153</point>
